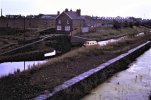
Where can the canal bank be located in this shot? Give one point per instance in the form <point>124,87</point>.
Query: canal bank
<point>131,84</point>
<point>80,85</point>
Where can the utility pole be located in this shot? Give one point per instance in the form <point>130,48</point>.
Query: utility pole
<point>24,39</point>
<point>24,28</point>
<point>24,64</point>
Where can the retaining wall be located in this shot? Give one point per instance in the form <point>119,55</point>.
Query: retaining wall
<point>77,87</point>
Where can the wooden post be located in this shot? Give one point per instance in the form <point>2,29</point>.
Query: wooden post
<point>24,65</point>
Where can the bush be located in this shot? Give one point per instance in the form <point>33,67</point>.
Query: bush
<point>116,24</point>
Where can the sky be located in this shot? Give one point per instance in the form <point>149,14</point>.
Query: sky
<point>106,8</point>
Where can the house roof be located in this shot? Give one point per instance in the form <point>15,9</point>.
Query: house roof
<point>73,15</point>
<point>42,16</point>
<point>48,17</point>
<point>14,16</point>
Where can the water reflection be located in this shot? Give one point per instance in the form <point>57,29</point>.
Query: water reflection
<point>10,67</point>
<point>131,84</point>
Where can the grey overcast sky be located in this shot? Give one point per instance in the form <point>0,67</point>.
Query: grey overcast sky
<point>107,8</point>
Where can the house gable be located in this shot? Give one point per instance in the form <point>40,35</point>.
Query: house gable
<point>63,22</point>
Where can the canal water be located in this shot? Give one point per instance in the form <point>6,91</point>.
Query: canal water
<point>131,84</point>
<point>103,43</point>
<point>10,67</point>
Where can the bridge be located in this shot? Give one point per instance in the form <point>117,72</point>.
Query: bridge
<point>41,40</point>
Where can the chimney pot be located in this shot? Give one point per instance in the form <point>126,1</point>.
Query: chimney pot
<point>79,12</point>
<point>66,10</point>
<point>58,13</point>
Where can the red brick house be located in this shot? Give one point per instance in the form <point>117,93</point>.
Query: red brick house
<point>69,21</point>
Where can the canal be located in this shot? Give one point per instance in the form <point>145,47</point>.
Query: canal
<point>11,67</point>
<point>131,84</point>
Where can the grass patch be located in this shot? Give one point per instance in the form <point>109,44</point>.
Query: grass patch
<point>108,32</point>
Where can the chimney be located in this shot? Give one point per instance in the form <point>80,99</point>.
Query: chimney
<point>79,12</point>
<point>1,12</point>
<point>66,10</point>
<point>58,13</point>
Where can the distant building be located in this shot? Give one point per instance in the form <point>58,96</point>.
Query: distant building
<point>12,21</point>
<point>69,21</point>
<point>40,21</point>
<point>29,22</point>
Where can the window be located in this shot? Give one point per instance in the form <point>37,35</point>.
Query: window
<point>67,28</point>
<point>59,27</point>
<point>59,21</point>
<point>67,22</point>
